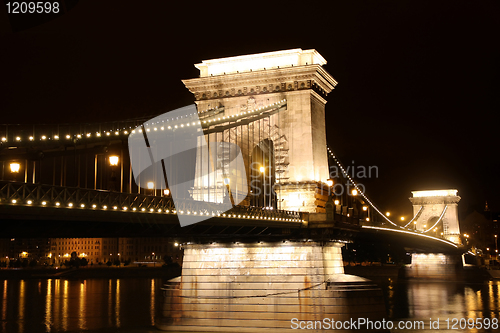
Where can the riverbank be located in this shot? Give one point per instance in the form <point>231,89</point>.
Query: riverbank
<point>91,272</point>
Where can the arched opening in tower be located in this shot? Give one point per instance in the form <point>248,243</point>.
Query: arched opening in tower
<point>263,175</point>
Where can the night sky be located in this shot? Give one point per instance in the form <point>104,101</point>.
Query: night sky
<point>417,92</point>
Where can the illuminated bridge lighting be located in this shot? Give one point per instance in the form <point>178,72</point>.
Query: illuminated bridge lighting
<point>411,233</point>
<point>357,189</point>
<point>151,207</point>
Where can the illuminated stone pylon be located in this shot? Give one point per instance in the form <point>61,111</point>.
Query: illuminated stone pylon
<point>265,286</point>
<point>438,215</point>
<point>296,160</point>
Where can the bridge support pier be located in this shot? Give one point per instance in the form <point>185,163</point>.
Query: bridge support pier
<point>434,266</point>
<point>258,286</point>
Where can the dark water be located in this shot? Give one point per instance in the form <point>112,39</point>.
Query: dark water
<point>130,305</point>
<point>55,305</point>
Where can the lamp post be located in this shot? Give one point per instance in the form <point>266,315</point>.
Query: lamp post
<point>154,260</point>
<point>496,243</point>
<point>227,182</point>
<point>113,161</point>
<point>263,171</point>
<point>329,182</point>
<point>150,186</point>
<point>15,167</point>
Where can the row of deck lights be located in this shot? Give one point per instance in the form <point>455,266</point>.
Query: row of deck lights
<point>126,131</point>
<point>188,124</point>
<point>69,137</point>
<point>152,210</point>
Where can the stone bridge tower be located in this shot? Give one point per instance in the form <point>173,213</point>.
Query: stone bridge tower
<point>437,212</point>
<point>292,141</point>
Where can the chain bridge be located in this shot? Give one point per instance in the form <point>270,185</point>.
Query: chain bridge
<point>280,242</point>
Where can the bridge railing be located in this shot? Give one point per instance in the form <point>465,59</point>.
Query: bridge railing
<point>39,195</point>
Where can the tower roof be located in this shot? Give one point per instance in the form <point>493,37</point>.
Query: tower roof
<point>260,61</point>
<point>434,193</point>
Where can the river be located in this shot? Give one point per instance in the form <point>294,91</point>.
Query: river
<point>131,304</point>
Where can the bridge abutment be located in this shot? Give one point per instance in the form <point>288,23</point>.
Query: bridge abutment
<point>250,287</point>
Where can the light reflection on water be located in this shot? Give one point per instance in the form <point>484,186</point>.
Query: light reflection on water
<point>420,300</point>
<point>55,305</point>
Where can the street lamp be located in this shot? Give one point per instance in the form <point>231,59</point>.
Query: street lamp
<point>154,260</point>
<point>388,214</point>
<point>113,160</point>
<point>166,192</point>
<point>263,171</point>
<point>227,181</point>
<point>15,167</point>
<point>150,186</point>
